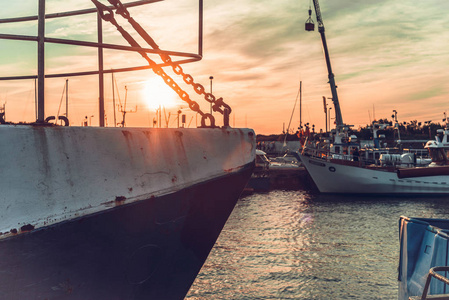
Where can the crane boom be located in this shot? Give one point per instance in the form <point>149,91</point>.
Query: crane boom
<point>319,19</point>
<point>333,86</point>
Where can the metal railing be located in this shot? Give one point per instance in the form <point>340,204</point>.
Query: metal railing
<point>41,40</point>
<point>365,158</point>
<point>433,273</point>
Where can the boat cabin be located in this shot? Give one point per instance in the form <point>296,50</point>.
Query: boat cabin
<point>345,147</point>
<point>438,148</point>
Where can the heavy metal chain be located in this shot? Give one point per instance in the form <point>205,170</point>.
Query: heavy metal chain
<point>218,105</point>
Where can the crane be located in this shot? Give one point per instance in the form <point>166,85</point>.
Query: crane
<point>310,27</point>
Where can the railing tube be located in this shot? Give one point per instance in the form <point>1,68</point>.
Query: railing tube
<point>41,63</point>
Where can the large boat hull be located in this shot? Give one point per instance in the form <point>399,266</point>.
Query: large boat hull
<point>141,230</point>
<point>331,177</point>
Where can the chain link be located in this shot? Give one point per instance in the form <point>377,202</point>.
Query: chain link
<point>218,105</point>
<point>120,8</point>
<point>198,88</point>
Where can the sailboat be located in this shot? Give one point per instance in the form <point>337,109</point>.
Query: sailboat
<point>113,213</point>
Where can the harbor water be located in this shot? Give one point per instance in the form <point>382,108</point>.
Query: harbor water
<point>298,244</point>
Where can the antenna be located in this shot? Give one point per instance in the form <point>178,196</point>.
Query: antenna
<point>123,109</point>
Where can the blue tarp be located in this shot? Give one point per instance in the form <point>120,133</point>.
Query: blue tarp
<point>424,244</point>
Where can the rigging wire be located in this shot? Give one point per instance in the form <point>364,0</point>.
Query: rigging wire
<point>60,102</point>
<point>291,117</point>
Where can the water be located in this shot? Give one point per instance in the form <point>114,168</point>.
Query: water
<point>302,245</point>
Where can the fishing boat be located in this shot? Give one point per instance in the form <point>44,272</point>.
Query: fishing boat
<point>340,167</point>
<point>358,176</point>
<point>113,213</point>
<point>423,261</point>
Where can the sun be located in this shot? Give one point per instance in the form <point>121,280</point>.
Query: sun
<point>157,94</point>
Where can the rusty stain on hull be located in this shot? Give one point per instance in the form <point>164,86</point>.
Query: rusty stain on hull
<point>119,200</point>
<point>26,228</point>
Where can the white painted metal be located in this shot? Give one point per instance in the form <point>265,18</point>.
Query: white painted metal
<point>53,174</point>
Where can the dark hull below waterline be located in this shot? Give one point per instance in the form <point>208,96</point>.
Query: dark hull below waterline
<point>151,249</point>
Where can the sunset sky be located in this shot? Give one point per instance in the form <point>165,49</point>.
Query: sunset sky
<point>386,55</point>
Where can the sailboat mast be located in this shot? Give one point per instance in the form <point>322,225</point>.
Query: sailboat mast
<point>67,98</point>
<point>300,105</point>
<point>113,99</point>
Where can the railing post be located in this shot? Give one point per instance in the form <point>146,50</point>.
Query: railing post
<point>100,71</point>
<point>41,63</point>
<point>200,29</point>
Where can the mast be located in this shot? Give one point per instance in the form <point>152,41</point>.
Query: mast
<point>300,105</point>
<point>67,98</point>
<point>113,99</point>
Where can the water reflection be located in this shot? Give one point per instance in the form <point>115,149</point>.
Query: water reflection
<point>298,244</point>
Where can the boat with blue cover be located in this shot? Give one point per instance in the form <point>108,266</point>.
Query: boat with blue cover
<point>423,261</point>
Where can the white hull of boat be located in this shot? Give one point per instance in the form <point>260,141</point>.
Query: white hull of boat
<point>345,179</point>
